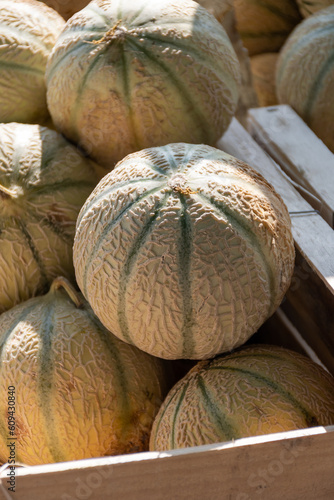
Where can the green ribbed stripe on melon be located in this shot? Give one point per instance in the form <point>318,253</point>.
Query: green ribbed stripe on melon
<point>111,344</point>
<point>46,384</point>
<point>310,419</point>
<point>220,420</point>
<point>126,68</point>
<point>56,229</point>
<point>127,268</point>
<point>238,225</point>
<point>201,120</point>
<point>105,232</point>
<point>176,411</point>
<point>185,250</point>
<point>35,253</point>
<point>167,403</point>
<point>79,47</point>
<point>107,192</point>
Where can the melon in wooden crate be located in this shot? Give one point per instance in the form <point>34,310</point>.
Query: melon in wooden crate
<point>128,75</point>
<point>305,73</point>
<point>80,392</point>
<point>44,181</point>
<point>28,31</point>
<point>183,251</point>
<point>253,391</point>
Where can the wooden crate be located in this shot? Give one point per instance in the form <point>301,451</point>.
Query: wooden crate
<point>291,465</point>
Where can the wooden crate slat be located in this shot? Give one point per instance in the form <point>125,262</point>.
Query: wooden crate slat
<point>282,465</point>
<point>300,153</point>
<point>312,235</point>
<point>310,299</point>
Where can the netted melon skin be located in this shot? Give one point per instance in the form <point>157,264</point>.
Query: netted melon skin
<point>254,391</point>
<point>79,391</point>
<point>44,181</point>
<point>127,75</point>
<point>183,251</point>
<point>28,31</point>
<point>305,73</point>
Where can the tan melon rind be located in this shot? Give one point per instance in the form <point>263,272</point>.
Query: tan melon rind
<point>183,251</point>
<point>82,393</point>
<point>254,391</point>
<point>115,74</point>
<point>44,181</point>
<point>28,31</point>
<point>305,73</point>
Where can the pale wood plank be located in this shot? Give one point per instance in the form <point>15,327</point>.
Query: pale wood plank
<point>291,465</point>
<point>312,235</point>
<point>300,153</point>
<point>309,302</point>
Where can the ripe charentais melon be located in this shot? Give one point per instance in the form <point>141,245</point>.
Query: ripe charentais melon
<point>305,73</point>
<point>253,391</point>
<point>80,392</point>
<point>44,181</point>
<point>127,75</point>
<point>28,31</point>
<point>183,251</point>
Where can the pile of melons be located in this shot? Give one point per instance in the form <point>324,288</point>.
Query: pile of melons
<point>291,44</point>
<point>129,243</point>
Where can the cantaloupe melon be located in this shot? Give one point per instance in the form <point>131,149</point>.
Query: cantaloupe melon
<point>127,75</point>
<point>305,73</point>
<point>183,251</point>
<point>28,31</point>
<point>79,391</point>
<point>253,391</point>
<point>44,181</point>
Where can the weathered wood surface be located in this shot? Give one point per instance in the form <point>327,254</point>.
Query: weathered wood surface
<point>295,465</point>
<point>299,152</point>
<point>310,299</point>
